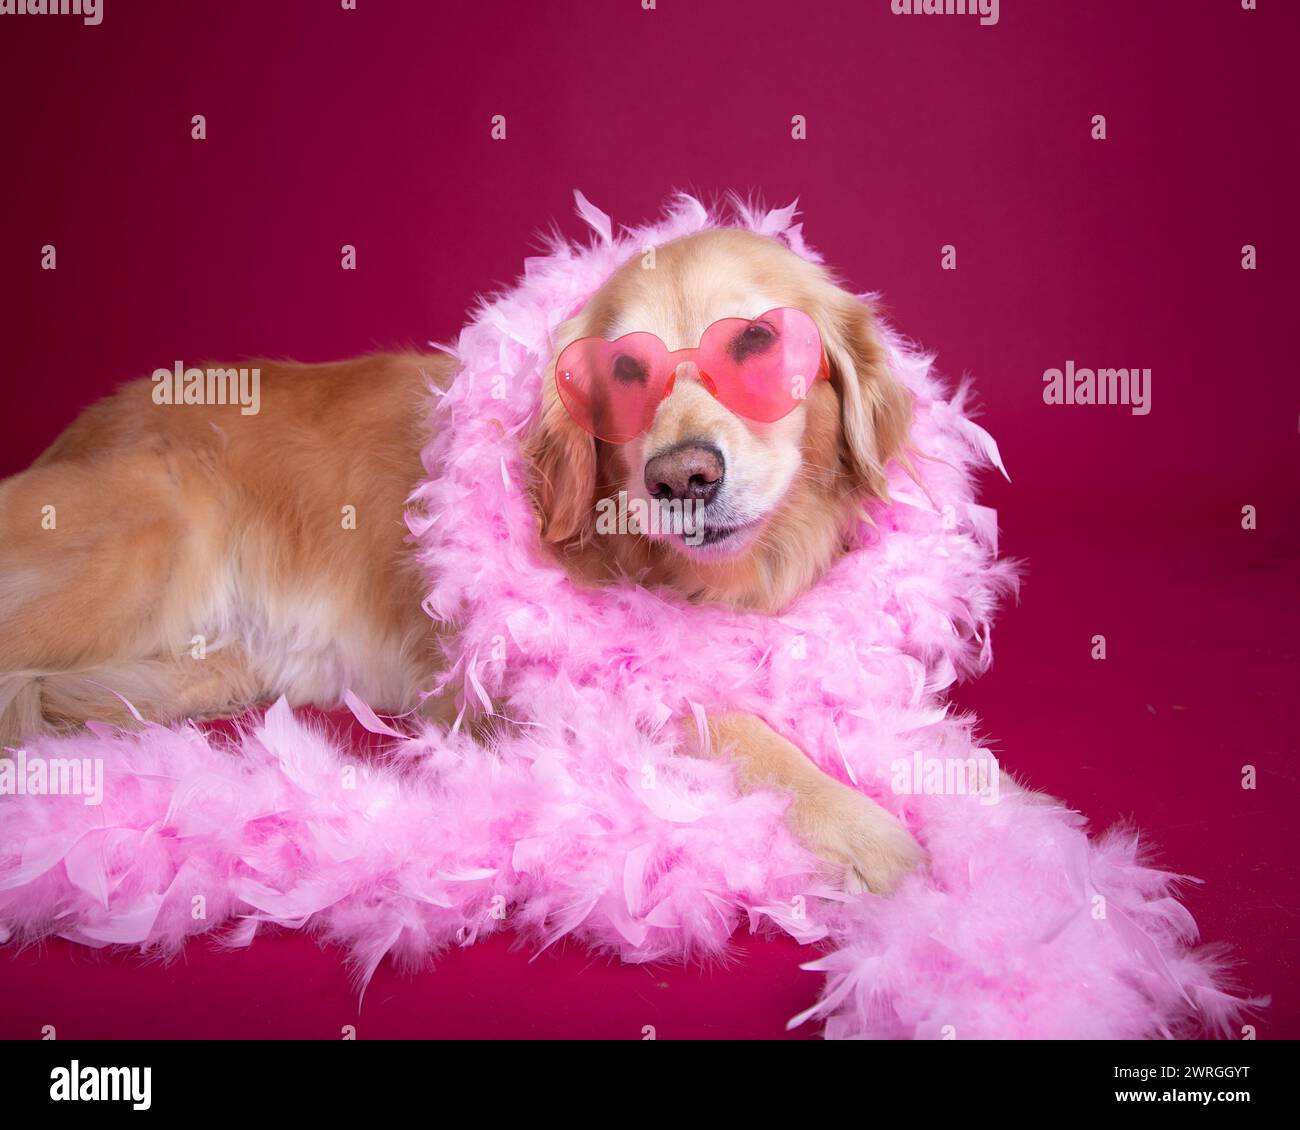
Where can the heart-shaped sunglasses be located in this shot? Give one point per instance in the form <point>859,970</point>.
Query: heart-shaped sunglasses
<point>759,368</point>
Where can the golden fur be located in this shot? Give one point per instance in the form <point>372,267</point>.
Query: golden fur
<point>196,530</point>
<point>841,437</point>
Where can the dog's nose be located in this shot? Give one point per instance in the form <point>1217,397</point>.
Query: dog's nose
<point>689,471</point>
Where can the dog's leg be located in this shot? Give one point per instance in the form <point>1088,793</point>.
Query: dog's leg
<point>838,823</point>
<point>101,566</point>
<point>159,690</point>
<point>99,561</point>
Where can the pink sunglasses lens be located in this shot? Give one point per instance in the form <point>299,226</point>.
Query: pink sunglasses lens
<point>762,369</point>
<point>611,388</point>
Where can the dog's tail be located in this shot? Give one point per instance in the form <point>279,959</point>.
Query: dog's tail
<point>20,708</point>
<point>120,694</point>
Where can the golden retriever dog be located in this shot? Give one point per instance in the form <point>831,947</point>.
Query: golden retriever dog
<point>147,534</point>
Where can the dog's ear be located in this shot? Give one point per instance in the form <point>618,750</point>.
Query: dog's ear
<point>875,410</point>
<point>562,464</point>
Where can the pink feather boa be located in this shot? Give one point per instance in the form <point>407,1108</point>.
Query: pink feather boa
<point>583,820</point>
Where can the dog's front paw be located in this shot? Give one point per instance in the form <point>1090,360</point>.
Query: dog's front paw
<point>852,832</point>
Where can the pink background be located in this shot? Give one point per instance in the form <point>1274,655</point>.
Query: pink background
<point>371,127</point>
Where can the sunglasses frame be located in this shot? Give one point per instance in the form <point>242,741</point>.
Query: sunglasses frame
<point>673,360</point>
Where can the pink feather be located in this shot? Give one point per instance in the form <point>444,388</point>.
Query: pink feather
<point>584,820</point>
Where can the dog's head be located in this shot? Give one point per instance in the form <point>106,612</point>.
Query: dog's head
<point>774,500</point>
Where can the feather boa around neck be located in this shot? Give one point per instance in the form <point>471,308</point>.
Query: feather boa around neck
<point>581,818</point>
